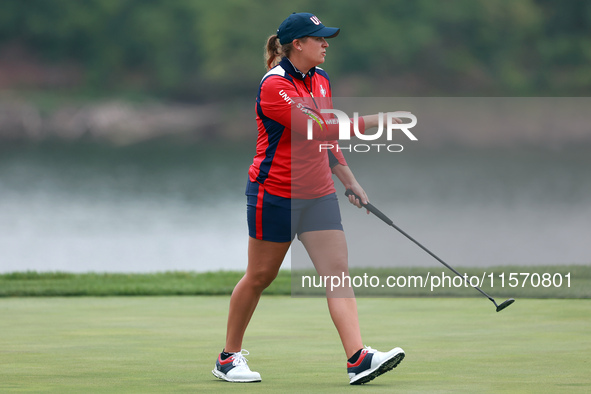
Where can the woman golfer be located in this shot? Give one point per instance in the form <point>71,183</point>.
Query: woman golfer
<point>290,192</point>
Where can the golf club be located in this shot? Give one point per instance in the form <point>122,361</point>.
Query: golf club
<point>389,222</point>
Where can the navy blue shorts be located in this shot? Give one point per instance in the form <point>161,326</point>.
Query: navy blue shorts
<point>279,219</point>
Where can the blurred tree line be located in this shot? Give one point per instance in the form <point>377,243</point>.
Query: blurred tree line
<point>200,50</point>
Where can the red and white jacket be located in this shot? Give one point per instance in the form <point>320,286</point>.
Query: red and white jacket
<point>286,163</point>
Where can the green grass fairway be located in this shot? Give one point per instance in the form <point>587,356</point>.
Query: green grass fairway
<point>169,344</point>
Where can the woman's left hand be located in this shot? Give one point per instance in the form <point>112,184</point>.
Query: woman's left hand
<point>358,190</point>
<point>343,172</point>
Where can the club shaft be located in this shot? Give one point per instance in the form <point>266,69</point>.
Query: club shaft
<point>389,222</point>
<point>441,261</point>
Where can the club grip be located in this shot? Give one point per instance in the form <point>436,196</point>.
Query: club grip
<point>370,208</point>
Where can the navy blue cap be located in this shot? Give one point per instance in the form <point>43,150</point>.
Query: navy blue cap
<point>303,24</point>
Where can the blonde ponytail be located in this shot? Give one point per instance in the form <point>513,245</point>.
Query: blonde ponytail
<point>274,51</point>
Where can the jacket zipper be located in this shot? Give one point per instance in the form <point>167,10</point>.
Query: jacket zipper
<point>310,91</point>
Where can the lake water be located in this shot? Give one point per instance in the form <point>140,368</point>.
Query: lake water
<point>164,206</point>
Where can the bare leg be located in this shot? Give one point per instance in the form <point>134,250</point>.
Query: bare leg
<point>264,261</point>
<point>328,251</point>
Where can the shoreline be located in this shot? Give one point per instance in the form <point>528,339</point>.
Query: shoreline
<point>177,283</point>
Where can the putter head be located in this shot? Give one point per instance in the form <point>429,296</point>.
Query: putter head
<point>505,304</point>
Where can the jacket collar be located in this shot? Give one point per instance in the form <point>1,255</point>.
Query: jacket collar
<point>288,66</point>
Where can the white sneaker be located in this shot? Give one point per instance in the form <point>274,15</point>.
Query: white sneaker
<point>372,364</point>
<point>235,369</point>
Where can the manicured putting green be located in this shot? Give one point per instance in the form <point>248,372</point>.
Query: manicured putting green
<point>169,344</point>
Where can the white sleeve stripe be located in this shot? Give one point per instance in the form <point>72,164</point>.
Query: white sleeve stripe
<point>278,70</point>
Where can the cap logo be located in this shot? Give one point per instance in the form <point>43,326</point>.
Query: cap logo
<point>315,20</point>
